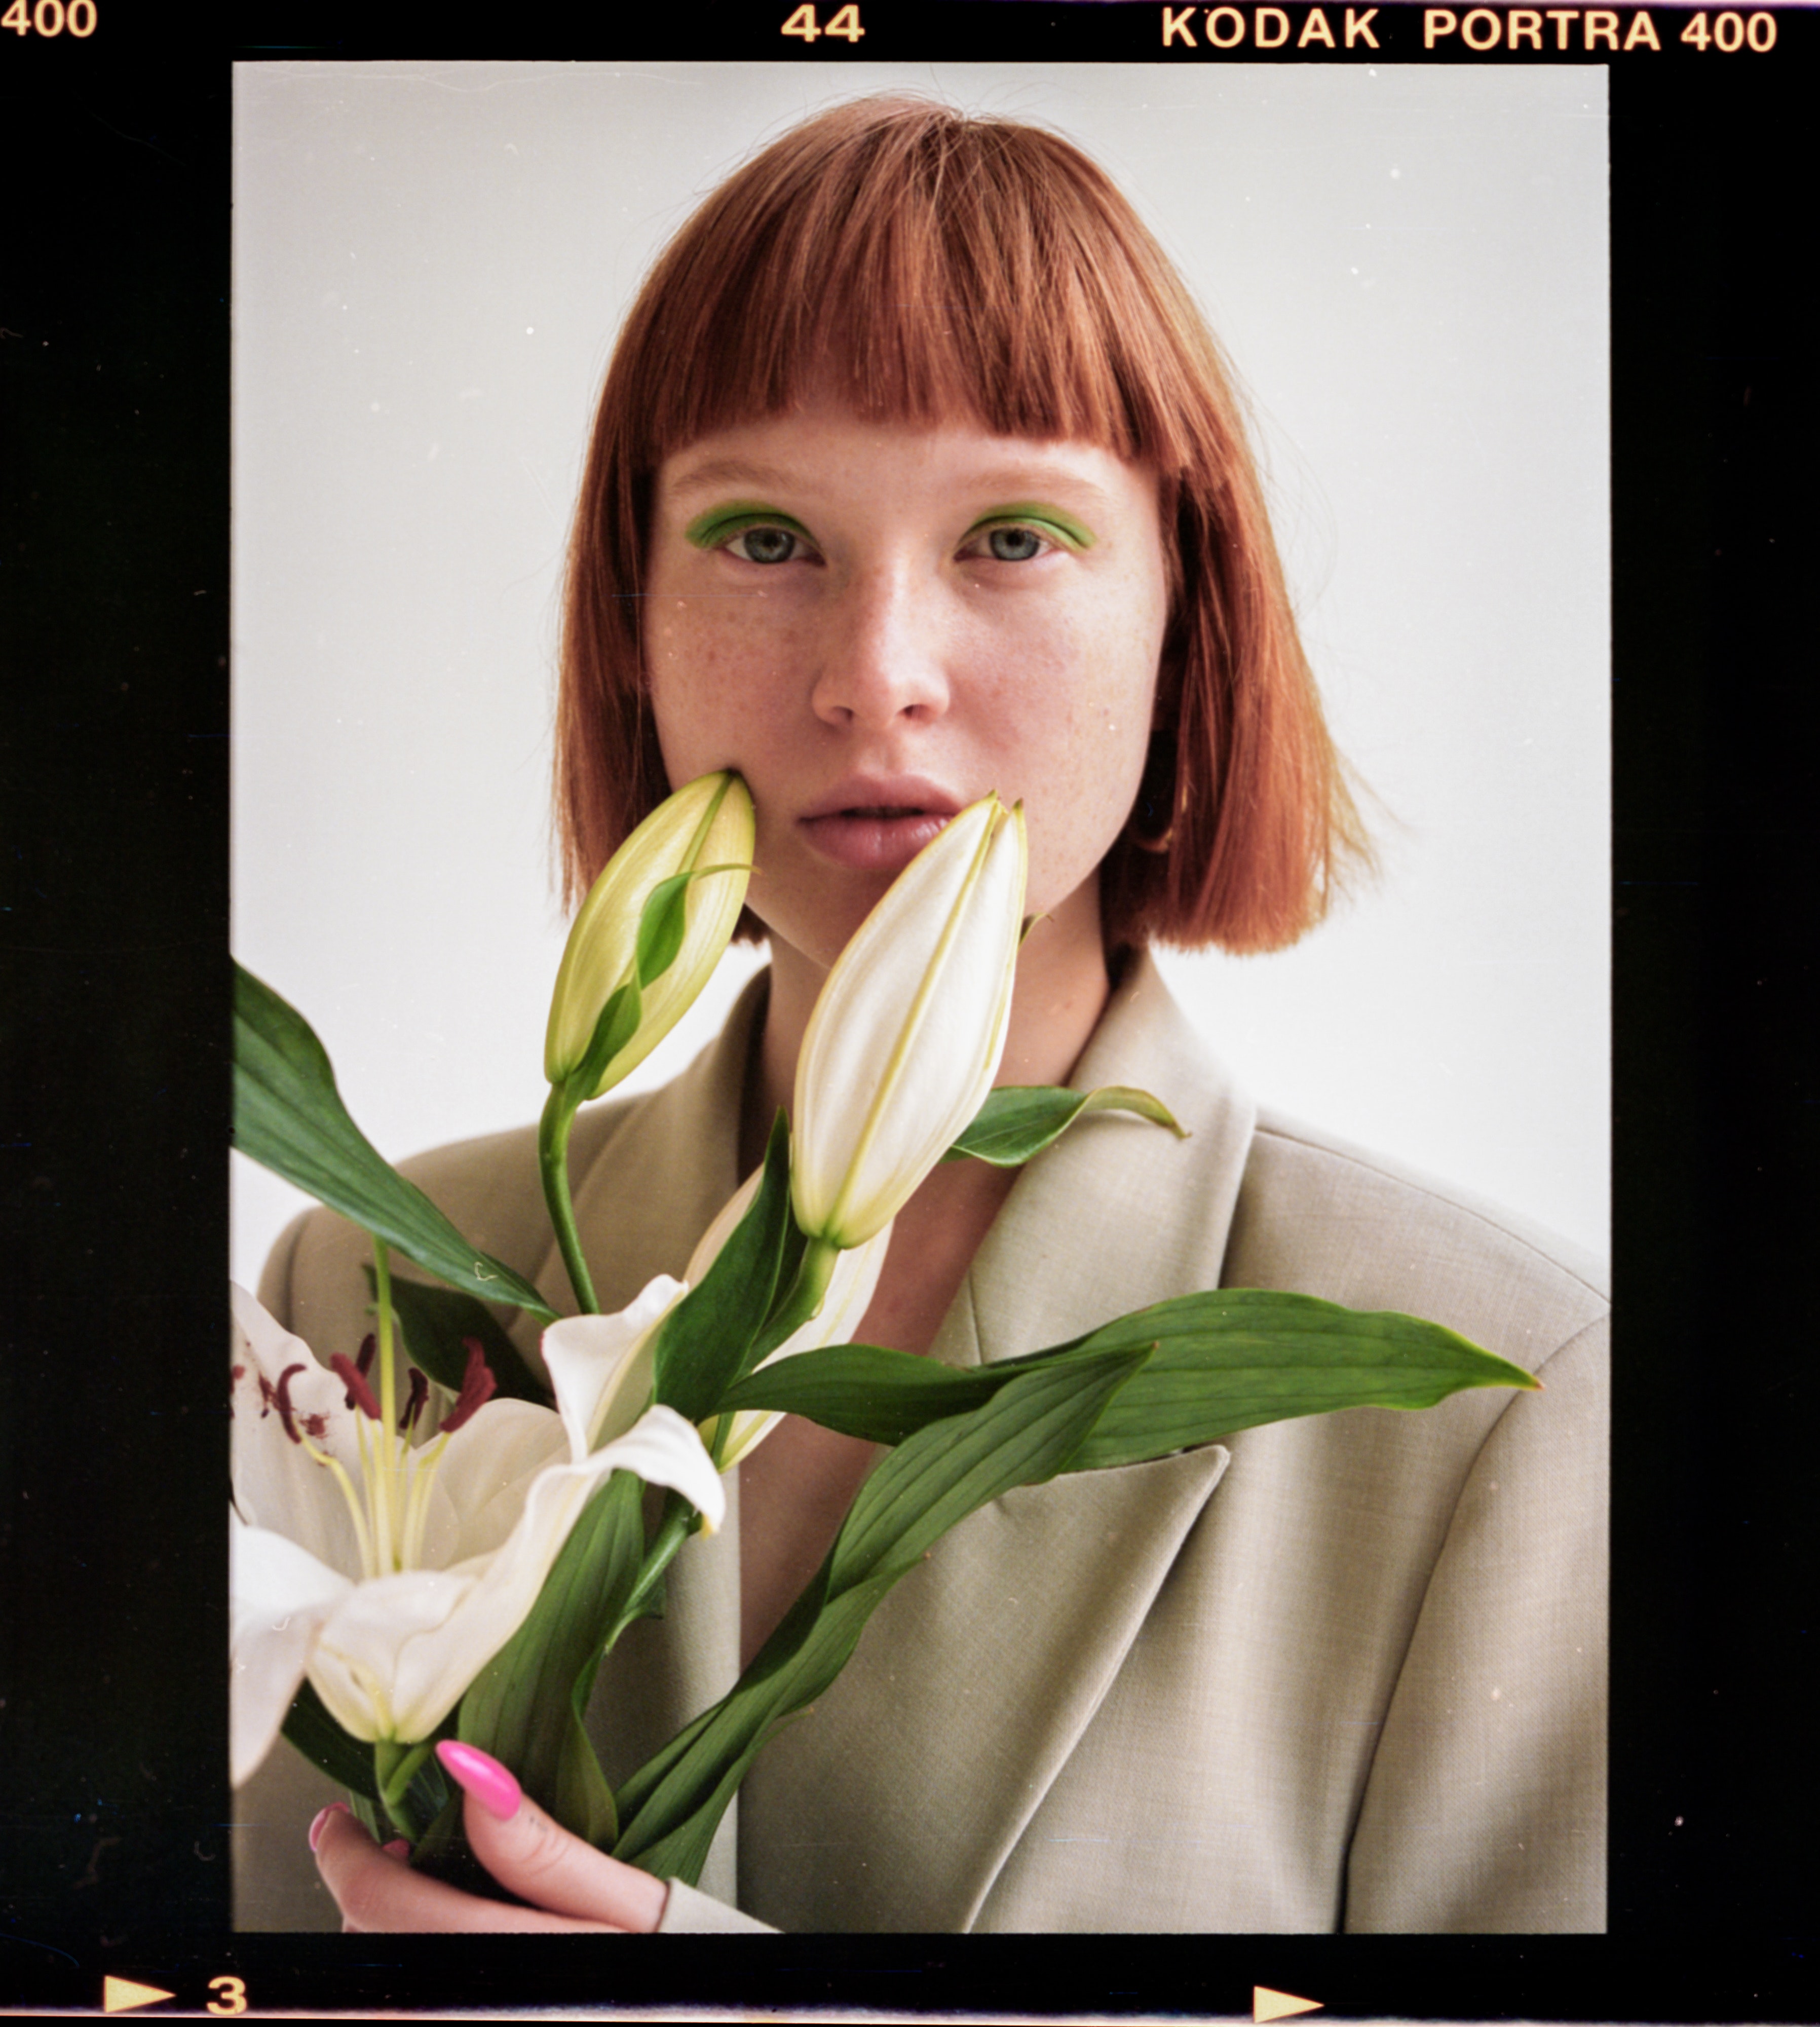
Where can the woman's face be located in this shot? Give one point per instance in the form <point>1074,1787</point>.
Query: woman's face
<point>876,623</point>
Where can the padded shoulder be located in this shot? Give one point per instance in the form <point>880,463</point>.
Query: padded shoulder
<point>1316,1214</point>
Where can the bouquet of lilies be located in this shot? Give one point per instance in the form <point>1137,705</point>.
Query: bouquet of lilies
<point>430,1539</point>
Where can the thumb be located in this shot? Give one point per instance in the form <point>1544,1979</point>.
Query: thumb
<point>534,1857</point>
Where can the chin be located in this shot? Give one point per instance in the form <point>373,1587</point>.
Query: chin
<point>820,933</point>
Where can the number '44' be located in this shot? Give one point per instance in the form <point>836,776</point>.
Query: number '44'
<point>845,22</point>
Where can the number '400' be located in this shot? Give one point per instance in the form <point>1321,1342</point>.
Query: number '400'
<point>803,23</point>
<point>49,17</point>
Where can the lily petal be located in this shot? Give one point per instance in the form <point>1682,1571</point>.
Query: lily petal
<point>601,1367</point>
<point>281,1595</point>
<point>277,1484</point>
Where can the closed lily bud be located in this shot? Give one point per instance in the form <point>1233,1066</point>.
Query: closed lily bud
<point>905,1041</point>
<point>707,825</point>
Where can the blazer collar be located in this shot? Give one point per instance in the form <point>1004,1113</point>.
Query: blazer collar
<point>1119,1213</point>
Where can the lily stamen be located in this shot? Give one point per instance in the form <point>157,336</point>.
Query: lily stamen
<point>280,1399</point>
<point>354,1377</point>
<point>477,1387</point>
<point>413,1407</point>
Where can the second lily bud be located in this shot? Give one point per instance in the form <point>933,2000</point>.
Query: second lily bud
<point>639,978</point>
<point>905,1041</point>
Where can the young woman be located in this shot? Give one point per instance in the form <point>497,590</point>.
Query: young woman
<point>917,474</point>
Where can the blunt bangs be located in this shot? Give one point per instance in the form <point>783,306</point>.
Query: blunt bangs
<point>937,269</point>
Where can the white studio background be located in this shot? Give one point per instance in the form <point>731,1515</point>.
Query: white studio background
<point>1408,268</point>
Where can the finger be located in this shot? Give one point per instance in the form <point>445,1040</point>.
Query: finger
<point>378,1892</point>
<point>534,1857</point>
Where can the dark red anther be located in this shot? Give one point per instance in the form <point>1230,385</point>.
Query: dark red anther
<point>477,1387</point>
<point>281,1400</point>
<point>360,1394</point>
<point>369,1345</point>
<point>413,1407</point>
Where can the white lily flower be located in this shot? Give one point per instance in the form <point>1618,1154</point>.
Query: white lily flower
<point>708,823</point>
<point>387,1571</point>
<point>905,1039</point>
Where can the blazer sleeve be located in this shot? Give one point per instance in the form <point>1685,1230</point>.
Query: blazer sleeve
<point>1485,1809</point>
<point>690,1912</point>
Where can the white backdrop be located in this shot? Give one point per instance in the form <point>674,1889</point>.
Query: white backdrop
<point>1409,267</point>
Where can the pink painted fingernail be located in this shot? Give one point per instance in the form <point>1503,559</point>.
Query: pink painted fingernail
<point>482,1776</point>
<point>398,1847</point>
<point>322,1817</point>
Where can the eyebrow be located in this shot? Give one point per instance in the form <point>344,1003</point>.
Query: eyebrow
<point>731,471</point>
<point>1024,482</point>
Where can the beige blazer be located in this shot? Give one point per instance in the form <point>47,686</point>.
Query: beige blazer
<point>1342,1673</point>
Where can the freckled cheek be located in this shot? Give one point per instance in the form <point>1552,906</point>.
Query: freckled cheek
<point>1089,760</point>
<point>714,683</point>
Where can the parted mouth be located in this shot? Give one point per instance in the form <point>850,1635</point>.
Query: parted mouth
<point>878,825</point>
<point>876,800</point>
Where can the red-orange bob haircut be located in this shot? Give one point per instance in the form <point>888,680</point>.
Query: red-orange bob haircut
<point>983,271</point>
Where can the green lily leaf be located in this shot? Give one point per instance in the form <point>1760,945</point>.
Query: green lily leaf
<point>436,1322</point>
<point>1024,1433</point>
<point>288,1116</point>
<point>662,922</point>
<point>865,1390</point>
<point>709,1333</point>
<point>1237,1358</point>
<point>1230,1358</point>
<point>548,1666</point>
<point>348,1761</point>
<point>616,1026</point>
<point>1018,1121</point>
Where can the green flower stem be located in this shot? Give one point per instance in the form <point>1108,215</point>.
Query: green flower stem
<point>553,1162</point>
<point>382,1307</point>
<point>680,1521</point>
<point>396,1765</point>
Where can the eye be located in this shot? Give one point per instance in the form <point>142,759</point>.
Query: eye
<point>765,545</point>
<point>1014,546</point>
<point>752,531</point>
<point>1021,532</point>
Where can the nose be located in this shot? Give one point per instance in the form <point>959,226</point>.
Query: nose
<point>881,655</point>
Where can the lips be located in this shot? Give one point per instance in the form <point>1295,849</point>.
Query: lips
<point>873,825</point>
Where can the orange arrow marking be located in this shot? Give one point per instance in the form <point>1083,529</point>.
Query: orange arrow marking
<point>120,1994</point>
<point>1268,2005</point>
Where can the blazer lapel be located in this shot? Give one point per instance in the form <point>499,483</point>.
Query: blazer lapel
<point>1119,1213</point>
<point>981,1669</point>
